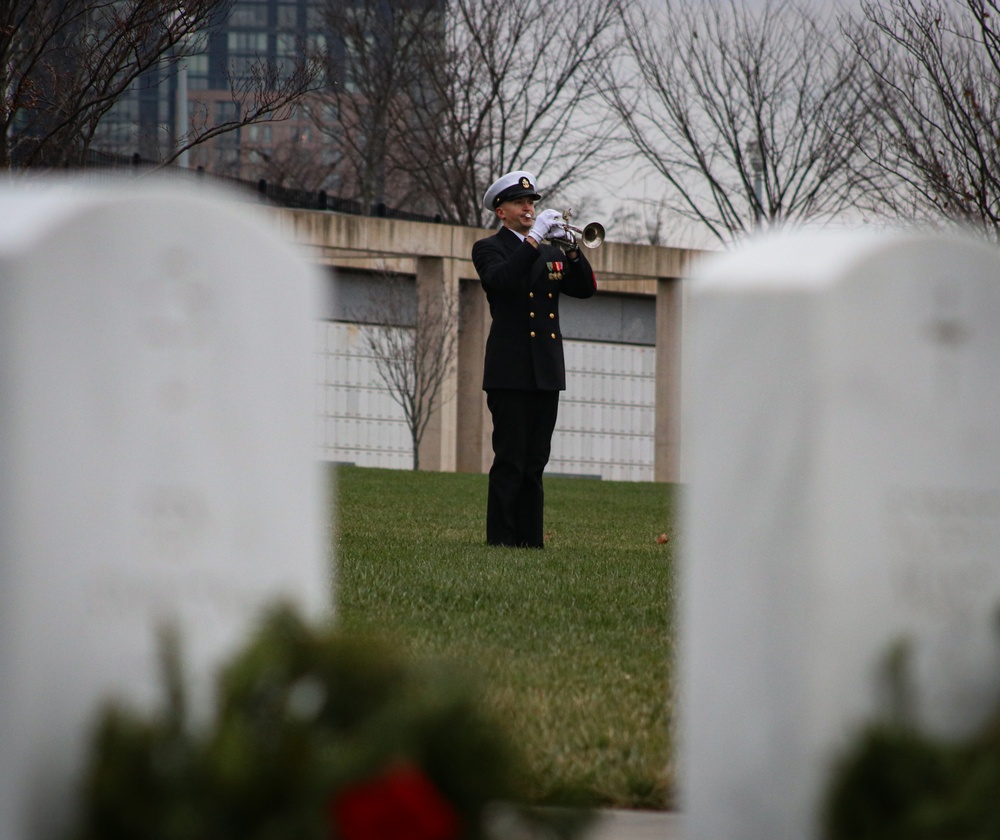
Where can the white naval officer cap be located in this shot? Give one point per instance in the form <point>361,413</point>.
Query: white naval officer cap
<point>511,185</point>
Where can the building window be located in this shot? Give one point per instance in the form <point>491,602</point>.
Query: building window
<point>197,69</point>
<point>253,43</point>
<point>287,44</point>
<point>227,161</point>
<point>316,44</point>
<point>259,134</point>
<point>243,67</point>
<point>314,17</point>
<point>288,17</point>
<point>227,111</point>
<point>249,15</point>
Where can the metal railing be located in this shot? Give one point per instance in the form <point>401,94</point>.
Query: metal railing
<point>273,193</point>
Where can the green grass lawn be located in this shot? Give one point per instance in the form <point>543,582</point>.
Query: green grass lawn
<point>573,644</point>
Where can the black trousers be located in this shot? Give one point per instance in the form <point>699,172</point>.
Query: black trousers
<point>522,439</point>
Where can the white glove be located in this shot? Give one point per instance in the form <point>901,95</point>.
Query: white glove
<point>547,223</point>
<point>559,232</point>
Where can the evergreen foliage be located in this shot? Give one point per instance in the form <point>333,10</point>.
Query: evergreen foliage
<point>316,735</point>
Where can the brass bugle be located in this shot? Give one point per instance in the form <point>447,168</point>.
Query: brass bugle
<point>591,236</point>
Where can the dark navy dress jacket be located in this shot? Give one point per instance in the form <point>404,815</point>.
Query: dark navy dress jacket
<point>524,350</point>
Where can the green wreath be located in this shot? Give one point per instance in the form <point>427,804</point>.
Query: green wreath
<point>896,783</point>
<point>316,736</point>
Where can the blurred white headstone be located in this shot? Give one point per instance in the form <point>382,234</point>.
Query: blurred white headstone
<point>841,437</point>
<point>156,411</point>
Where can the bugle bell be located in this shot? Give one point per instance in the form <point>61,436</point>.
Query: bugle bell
<point>591,236</point>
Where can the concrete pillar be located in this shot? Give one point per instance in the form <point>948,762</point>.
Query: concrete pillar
<point>475,452</point>
<point>437,284</point>
<point>666,464</point>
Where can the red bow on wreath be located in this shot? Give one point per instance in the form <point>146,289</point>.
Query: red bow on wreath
<point>399,805</point>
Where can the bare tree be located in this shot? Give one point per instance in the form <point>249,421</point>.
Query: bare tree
<point>932,76</point>
<point>436,99</point>
<point>262,92</point>
<point>649,223</point>
<point>413,340</point>
<point>64,64</point>
<point>371,66</point>
<point>289,155</point>
<point>748,115</point>
<point>518,88</point>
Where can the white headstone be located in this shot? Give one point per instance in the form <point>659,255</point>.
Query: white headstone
<point>841,443</point>
<point>156,419</point>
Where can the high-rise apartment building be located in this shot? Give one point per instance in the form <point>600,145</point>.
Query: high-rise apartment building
<point>219,70</point>
<point>227,60</point>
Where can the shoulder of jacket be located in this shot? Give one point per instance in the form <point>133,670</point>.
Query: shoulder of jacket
<point>487,241</point>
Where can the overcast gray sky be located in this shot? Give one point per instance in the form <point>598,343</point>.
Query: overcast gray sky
<point>613,190</point>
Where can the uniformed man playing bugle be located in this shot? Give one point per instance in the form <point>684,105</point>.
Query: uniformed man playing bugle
<point>523,277</point>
